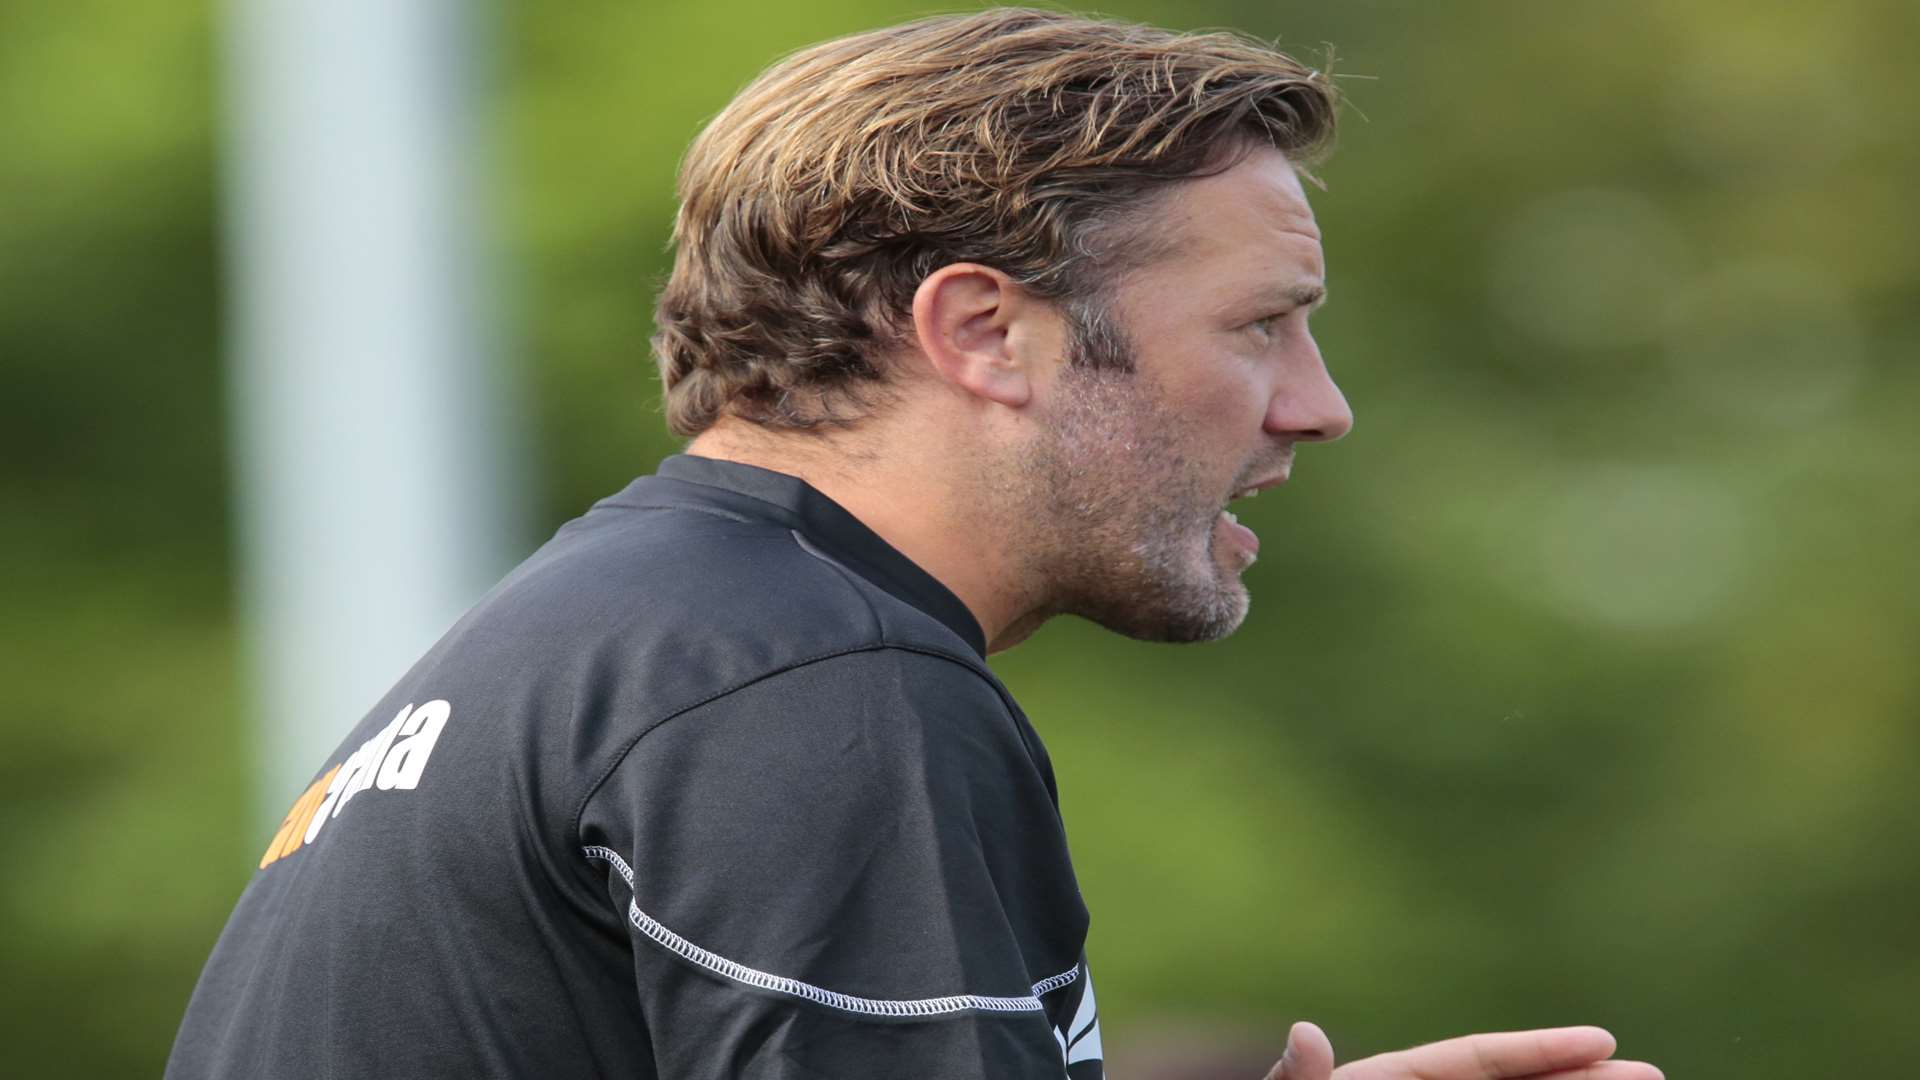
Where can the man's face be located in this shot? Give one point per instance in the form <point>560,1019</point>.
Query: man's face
<point>1127,477</point>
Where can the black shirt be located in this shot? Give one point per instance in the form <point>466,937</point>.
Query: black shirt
<point>715,784</point>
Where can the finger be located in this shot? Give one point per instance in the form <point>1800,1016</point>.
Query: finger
<point>1309,1055</point>
<point>1505,1056</point>
<point>1605,1070</point>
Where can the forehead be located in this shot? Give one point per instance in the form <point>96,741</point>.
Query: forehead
<point>1249,225</point>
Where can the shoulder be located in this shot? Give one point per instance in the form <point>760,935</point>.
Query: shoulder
<point>692,602</point>
<point>855,730</point>
<point>632,616</point>
<point>880,823</point>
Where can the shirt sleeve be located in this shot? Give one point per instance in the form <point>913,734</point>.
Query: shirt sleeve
<point>851,868</point>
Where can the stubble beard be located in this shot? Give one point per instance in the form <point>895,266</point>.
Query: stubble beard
<point>1120,519</point>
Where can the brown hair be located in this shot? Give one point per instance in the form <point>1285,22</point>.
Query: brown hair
<point>813,206</point>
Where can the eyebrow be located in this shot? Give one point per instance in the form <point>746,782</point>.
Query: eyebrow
<point>1308,294</point>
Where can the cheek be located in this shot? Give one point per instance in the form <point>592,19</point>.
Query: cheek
<point>1229,410</point>
<point>1214,399</point>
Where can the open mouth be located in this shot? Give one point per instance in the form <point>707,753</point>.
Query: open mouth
<point>1235,534</point>
<point>1238,536</point>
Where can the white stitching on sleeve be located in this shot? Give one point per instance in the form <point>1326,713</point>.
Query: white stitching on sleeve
<point>609,855</point>
<point>720,965</point>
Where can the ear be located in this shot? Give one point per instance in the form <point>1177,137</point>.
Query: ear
<point>981,332</point>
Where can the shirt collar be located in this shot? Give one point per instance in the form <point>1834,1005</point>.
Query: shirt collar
<point>758,492</point>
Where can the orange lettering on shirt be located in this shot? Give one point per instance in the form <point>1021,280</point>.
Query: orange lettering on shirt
<point>293,829</point>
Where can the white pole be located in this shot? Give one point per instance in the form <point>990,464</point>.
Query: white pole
<point>374,488</point>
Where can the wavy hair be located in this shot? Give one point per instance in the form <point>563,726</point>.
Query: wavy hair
<point>812,207</point>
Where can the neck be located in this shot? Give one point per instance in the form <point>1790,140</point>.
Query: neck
<point>912,498</point>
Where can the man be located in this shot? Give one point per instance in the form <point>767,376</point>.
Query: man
<point>973,322</point>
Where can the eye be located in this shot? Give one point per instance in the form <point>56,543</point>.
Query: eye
<point>1265,327</point>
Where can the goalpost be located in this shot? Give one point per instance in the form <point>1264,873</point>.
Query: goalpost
<point>375,486</point>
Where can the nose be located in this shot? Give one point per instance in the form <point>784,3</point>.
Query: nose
<point>1306,406</point>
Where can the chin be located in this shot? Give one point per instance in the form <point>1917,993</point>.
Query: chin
<point>1179,614</point>
<point>1220,620</point>
<point>1172,589</point>
<point>1205,602</point>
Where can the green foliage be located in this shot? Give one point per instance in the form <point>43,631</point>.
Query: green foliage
<point>1579,685</point>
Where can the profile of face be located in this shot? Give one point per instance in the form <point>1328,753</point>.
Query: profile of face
<point>1126,477</point>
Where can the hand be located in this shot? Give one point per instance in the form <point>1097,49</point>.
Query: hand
<point>1575,1053</point>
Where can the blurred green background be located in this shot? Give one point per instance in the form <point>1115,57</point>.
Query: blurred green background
<point>1580,684</point>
